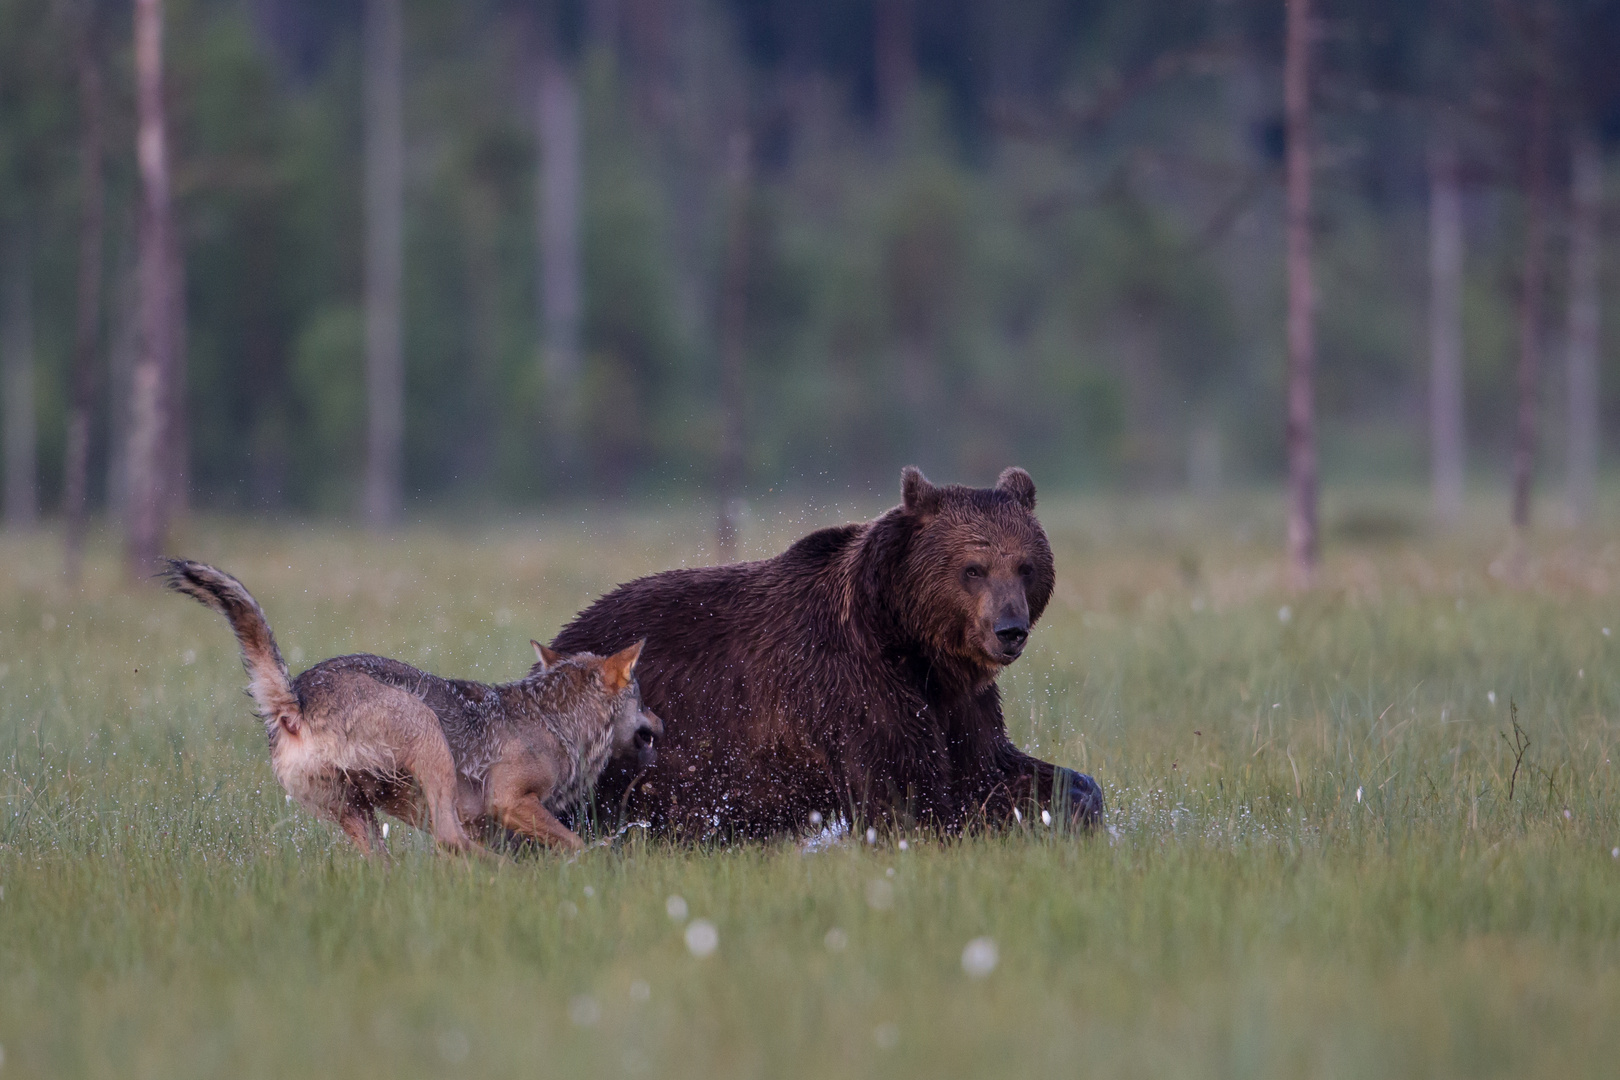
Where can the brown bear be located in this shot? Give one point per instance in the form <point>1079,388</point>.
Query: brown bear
<point>854,674</point>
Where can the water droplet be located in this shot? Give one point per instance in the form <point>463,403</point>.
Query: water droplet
<point>836,940</point>
<point>675,906</point>
<point>980,957</point>
<point>815,819</point>
<point>1284,613</point>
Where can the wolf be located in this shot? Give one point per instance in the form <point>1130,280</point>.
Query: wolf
<point>356,734</point>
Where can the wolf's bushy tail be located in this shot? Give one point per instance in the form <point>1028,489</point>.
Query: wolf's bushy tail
<point>268,681</point>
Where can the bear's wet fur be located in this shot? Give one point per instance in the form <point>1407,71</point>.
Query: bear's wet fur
<point>852,675</point>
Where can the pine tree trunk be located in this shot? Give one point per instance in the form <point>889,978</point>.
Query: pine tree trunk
<point>17,382</point>
<point>1300,433</point>
<point>1531,289</point>
<point>733,343</point>
<point>1585,223</point>
<point>151,398</point>
<point>561,290</point>
<point>384,267</point>
<point>1447,446</point>
<point>76,466</point>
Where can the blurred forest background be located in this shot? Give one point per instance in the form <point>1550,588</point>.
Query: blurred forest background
<point>659,245</point>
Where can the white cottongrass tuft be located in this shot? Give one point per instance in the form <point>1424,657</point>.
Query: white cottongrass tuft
<point>1046,817</point>
<point>980,957</point>
<point>871,836</point>
<point>385,830</point>
<point>1284,613</point>
<point>702,938</point>
<point>904,845</point>
<point>836,940</point>
<point>675,907</point>
<point>1358,794</point>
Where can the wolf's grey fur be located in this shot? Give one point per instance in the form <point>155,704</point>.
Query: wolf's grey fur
<point>355,734</point>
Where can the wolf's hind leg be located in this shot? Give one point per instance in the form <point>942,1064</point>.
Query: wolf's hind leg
<point>414,738</point>
<point>359,823</point>
<point>427,757</point>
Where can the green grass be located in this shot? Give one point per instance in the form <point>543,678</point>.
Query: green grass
<point>165,913</point>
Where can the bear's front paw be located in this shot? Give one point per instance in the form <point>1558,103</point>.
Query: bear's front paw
<point>1079,795</point>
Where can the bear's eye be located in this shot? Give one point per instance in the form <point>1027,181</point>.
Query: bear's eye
<point>973,573</point>
<point>1025,570</point>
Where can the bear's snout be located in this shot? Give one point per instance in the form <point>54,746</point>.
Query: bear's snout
<point>1012,632</point>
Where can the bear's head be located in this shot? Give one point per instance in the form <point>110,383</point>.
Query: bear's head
<point>976,570</point>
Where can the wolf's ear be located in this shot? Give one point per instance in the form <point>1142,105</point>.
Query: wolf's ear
<point>917,495</point>
<point>543,657</point>
<point>1018,483</point>
<point>620,668</point>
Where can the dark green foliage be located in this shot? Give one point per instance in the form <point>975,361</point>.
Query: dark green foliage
<point>1067,255</point>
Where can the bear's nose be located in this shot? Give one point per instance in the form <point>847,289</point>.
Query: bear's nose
<point>1012,633</point>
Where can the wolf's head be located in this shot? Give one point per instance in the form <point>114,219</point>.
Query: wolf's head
<point>634,727</point>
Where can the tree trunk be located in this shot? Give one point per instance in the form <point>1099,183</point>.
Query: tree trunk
<point>177,428</point>
<point>76,466</point>
<point>384,267</point>
<point>733,343</point>
<point>561,292</point>
<point>123,352</point>
<point>1530,300</point>
<point>894,61</point>
<point>1300,433</point>
<point>150,393</point>
<point>1447,447</point>
<point>17,358</point>
<point>1585,223</point>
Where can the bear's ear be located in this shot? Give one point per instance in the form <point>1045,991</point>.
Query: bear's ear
<point>1018,483</point>
<point>544,658</point>
<point>917,495</point>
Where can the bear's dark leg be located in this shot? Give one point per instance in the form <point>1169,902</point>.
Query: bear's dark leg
<point>1070,795</point>
<point>1079,794</point>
